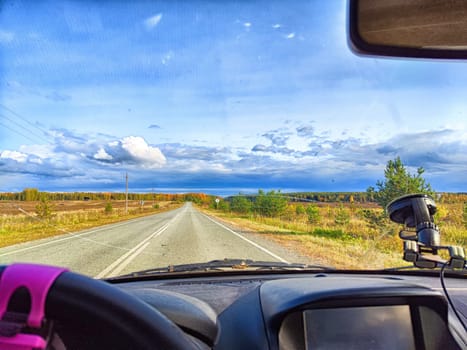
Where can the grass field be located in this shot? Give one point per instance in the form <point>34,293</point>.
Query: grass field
<point>342,235</point>
<point>19,222</point>
<point>360,239</point>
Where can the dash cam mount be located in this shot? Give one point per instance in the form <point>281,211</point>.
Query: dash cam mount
<point>421,236</point>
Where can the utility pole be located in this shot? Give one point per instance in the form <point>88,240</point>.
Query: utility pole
<point>126,193</point>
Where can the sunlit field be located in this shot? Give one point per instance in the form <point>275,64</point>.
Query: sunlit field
<point>22,221</point>
<point>342,230</point>
<point>345,235</point>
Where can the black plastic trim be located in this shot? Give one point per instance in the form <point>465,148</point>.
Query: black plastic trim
<point>281,297</point>
<point>249,273</point>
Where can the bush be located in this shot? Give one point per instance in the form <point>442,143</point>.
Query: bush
<point>108,208</point>
<point>342,216</point>
<point>271,204</point>
<point>241,205</point>
<point>312,213</point>
<point>44,209</point>
<point>223,206</point>
<point>464,215</point>
<point>299,209</point>
<point>156,206</point>
<point>375,218</point>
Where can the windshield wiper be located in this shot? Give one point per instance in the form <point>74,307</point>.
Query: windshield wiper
<point>227,265</point>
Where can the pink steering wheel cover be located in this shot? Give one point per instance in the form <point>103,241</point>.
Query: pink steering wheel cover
<point>37,279</point>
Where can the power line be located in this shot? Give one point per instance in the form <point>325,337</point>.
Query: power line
<point>24,128</point>
<point>23,118</point>
<point>17,132</point>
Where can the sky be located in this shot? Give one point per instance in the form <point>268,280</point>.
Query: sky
<point>217,97</point>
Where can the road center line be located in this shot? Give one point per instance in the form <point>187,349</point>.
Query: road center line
<point>247,240</point>
<point>121,260</point>
<point>128,260</point>
<point>72,236</point>
<point>119,264</point>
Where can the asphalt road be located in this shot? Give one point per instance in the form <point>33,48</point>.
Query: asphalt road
<point>180,236</point>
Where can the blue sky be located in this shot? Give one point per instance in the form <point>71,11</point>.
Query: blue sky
<point>214,96</point>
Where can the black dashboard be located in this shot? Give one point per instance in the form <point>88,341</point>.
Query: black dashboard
<point>310,311</point>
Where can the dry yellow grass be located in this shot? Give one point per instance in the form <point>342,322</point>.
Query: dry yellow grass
<point>355,244</point>
<point>22,228</point>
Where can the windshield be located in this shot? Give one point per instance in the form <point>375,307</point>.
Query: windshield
<point>143,134</point>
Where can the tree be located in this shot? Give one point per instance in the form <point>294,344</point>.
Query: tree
<point>342,216</point>
<point>270,204</point>
<point>240,204</point>
<point>224,206</point>
<point>376,218</point>
<point>398,182</point>
<point>312,213</point>
<point>30,194</point>
<point>108,208</point>
<point>44,209</point>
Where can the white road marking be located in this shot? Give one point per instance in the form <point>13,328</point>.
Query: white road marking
<point>58,240</point>
<point>119,264</point>
<point>127,255</point>
<point>128,260</point>
<point>247,240</point>
<point>72,236</point>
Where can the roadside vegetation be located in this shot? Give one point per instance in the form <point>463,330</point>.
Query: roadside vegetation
<point>48,220</point>
<point>31,214</point>
<point>352,232</point>
<point>345,230</point>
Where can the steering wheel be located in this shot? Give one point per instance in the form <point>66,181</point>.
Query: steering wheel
<point>75,300</point>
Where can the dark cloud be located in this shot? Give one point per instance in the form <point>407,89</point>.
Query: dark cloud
<point>387,150</point>
<point>154,126</point>
<point>274,149</point>
<point>38,168</point>
<point>187,152</point>
<point>430,149</point>
<point>259,148</point>
<point>278,137</point>
<point>95,162</point>
<point>305,131</point>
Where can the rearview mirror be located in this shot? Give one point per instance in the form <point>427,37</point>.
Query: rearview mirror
<point>409,28</point>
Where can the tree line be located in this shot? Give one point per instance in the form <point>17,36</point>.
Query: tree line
<point>398,181</point>
<point>33,194</point>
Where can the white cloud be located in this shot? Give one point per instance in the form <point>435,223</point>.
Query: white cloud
<point>277,26</point>
<point>41,151</point>
<point>290,36</point>
<point>247,24</point>
<point>14,155</point>
<point>150,157</point>
<point>102,155</point>
<point>153,21</point>
<point>36,161</point>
